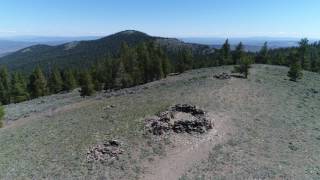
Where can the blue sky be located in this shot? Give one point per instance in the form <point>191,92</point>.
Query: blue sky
<point>173,18</point>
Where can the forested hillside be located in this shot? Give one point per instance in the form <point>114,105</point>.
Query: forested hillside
<point>81,54</point>
<point>131,58</point>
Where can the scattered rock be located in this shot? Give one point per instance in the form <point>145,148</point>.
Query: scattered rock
<point>158,126</point>
<point>110,107</point>
<point>292,147</point>
<point>173,74</point>
<point>104,152</point>
<point>223,76</point>
<point>194,120</point>
<point>314,91</point>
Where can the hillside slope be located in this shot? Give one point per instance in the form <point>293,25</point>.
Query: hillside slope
<point>81,53</point>
<point>265,127</point>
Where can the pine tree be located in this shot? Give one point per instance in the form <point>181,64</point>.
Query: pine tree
<point>303,53</point>
<point>1,115</point>
<point>157,68</point>
<point>165,66</point>
<point>225,54</point>
<point>69,81</point>
<point>55,83</point>
<point>2,93</point>
<point>263,55</point>
<point>143,57</point>
<point>5,86</point>
<point>18,88</point>
<point>295,71</point>
<point>37,83</point>
<point>87,87</point>
<point>185,58</point>
<point>108,74</point>
<point>238,53</point>
<point>243,67</point>
<point>98,76</point>
<point>314,56</point>
<point>123,79</point>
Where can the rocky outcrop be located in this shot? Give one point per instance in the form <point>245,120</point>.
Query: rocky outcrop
<point>169,121</point>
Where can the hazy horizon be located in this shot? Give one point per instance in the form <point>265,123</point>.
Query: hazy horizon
<point>176,18</point>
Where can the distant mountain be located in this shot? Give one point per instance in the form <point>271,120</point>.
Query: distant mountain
<point>83,53</point>
<point>45,39</point>
<point>12,44</point>
<point>7,46</point>
<point>252,44</point>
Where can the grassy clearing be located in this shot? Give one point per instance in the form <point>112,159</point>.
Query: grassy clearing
<point>278,126</point>
<point>271,114</point>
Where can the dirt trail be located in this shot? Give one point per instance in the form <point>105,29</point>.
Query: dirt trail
<point>180,159</point>
<point>183,157</point>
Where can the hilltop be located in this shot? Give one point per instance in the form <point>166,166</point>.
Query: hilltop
<point>80,54</point>
<point>265,127</point>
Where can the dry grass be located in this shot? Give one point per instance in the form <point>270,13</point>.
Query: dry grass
<point>267,113</point>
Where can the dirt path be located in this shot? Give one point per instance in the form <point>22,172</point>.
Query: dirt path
<point>180,159</point>
<point>185,155</point>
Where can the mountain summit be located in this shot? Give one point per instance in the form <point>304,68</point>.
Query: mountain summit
<point>77,53</point>
<point>81,53</point>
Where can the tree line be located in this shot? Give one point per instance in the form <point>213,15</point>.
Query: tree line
<point>133,66</point>
<point>148,62</point>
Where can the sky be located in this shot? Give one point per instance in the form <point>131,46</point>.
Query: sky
<point>170,18</point>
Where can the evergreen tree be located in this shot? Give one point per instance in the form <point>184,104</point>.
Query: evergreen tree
<point>123,79</point>
<point>5,86</point>
<point>55,83</point>
<point>1,115</point>
<point>144,61</point>
<point>263,55</point>
<point>19,91</point>
<point>37,83</point>
<point>156,68</point>
<point>128,56</point>
<point>165,66</point>
<point>3,94</point>
<point>184,60</point>
<point>98,76</point>
<point>69,81</point>
<point>314,56</point>
<point>143,57</point>
<point>243,67</point>
<point>303,54</point>
<point>87,87</point>
<point>225,54</point>
<point>108,74</point>
<point>295,71</point>
<point>238,54</point>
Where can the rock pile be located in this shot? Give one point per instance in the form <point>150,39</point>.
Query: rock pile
<point>187,108</point>
<point>195,120</point>
<point>222,76</point>
<point>104,152</point>
<point>200,125</point>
